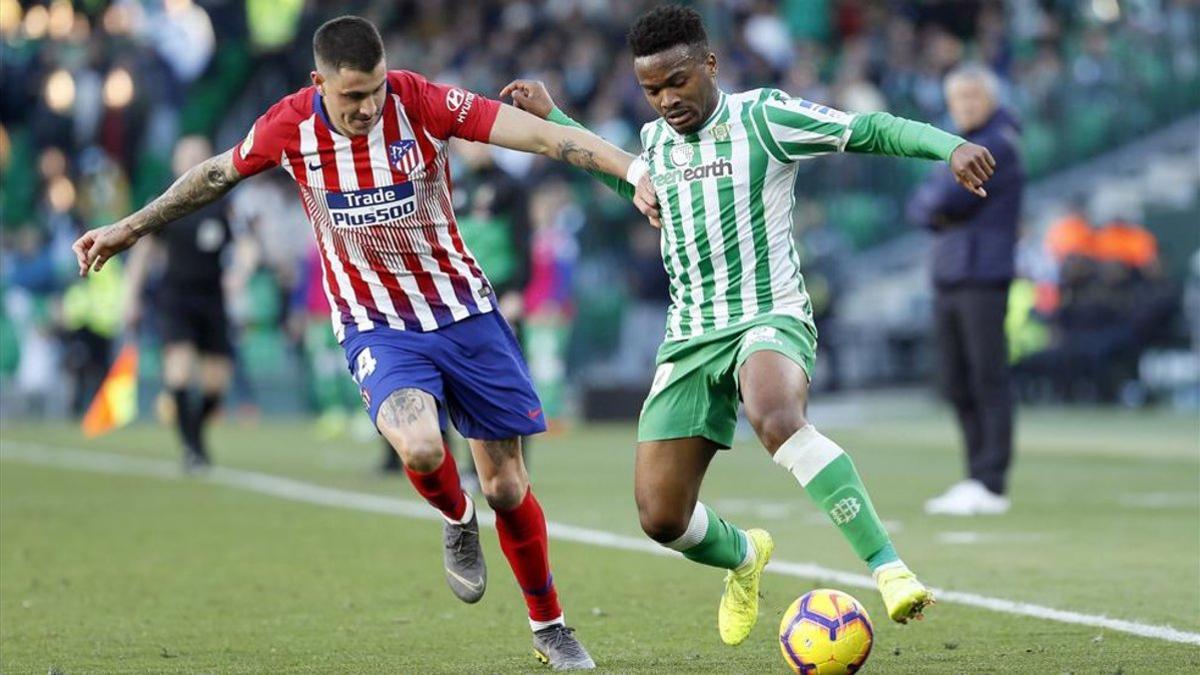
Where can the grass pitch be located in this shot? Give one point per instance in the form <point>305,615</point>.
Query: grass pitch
<point>105,572</point>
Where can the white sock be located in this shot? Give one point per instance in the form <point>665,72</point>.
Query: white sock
<point>894,565</point>
<point>539,625</point>
<point>468,513</point>
<point>694,534</point>
<point>751,557</point>
<point>806,453</point>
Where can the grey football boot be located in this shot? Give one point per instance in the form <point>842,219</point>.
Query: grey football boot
<point>466,571</point>
<point>557,647</point>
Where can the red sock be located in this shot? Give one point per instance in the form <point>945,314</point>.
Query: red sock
<point>441,488</point>
<point>524,542</point>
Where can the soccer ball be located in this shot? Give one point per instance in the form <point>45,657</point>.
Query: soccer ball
<point>825,632</point>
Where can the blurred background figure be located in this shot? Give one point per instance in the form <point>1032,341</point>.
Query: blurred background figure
<point>642,325</point>
<point>548,303</point>
<point>973,265</point>
<point>27,341</point>
<point>187,263</point>
<point>335,398</point>
<point>492,208</point>
<point>1111,303</point>
<point>90,325</point>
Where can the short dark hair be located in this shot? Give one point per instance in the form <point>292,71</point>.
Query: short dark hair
<point>348,42</point>
<point>664,27</point>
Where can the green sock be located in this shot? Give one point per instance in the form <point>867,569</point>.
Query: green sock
<point>830,479</point>
<point>709,540</point>
<point>839,492</point>
<point>883,556</point>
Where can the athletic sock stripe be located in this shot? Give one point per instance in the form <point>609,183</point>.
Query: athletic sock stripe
<point>536,625</point>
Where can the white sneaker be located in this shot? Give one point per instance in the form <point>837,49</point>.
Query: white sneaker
<point>967,498</point>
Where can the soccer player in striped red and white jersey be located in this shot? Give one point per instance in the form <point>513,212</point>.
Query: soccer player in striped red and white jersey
<point>415,314</point>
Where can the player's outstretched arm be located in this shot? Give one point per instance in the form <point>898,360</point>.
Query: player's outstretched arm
<point>202,184</point>
<point>880,133</point>
<point>533,97</point>
<point>519,130</point>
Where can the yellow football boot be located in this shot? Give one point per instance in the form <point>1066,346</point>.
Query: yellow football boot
<point>739,605</point>
<point>904,596</point>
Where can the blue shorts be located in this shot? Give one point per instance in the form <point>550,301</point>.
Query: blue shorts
<point>474,368</point>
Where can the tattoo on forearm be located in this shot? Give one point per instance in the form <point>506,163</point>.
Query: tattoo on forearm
<point>570,152</point>
<point>403,408</point>
<point>203,184</point>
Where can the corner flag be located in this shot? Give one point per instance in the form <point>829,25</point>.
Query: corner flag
<point>115,404</point>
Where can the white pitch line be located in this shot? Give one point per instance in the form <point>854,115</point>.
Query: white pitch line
<point>298,491</point>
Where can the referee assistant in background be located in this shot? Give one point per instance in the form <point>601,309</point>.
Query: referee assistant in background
<point>974,242</point>
<point>187,261</point>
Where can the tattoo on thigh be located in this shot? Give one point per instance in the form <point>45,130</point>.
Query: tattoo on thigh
<point>403,408</point>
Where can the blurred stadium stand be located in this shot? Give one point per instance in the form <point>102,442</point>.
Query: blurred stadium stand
<point>96,92</point>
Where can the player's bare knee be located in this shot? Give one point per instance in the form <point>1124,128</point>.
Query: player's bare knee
<point>423,454</point>
<point>662,525</point>
<point>774,426</point>
<point>505,490</point>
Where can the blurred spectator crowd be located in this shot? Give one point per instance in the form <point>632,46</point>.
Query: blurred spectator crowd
<point>96,93</point>
<point>1080,335</point>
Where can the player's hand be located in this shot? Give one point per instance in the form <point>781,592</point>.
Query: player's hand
<point>530,96</point>
<point>95,247</point>
<point>972,165</point>
<point>646,201</point>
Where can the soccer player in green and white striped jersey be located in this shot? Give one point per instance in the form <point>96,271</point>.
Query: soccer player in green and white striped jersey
<point>740,323</point>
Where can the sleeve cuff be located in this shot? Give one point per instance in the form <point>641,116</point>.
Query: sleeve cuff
<point>942,143</point>
<point>637,169</point>
<point>559,117</point>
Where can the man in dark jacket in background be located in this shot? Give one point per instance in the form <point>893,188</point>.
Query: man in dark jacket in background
<point>972,268</point>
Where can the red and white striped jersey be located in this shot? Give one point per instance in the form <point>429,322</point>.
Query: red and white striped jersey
<point>380,203</point>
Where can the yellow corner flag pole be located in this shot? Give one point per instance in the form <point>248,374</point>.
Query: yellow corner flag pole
<point>115,404</point>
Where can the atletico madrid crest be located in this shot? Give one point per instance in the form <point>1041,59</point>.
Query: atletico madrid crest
<point>404,156</point>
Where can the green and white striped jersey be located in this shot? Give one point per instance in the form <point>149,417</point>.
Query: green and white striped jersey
<point>726,194</point>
